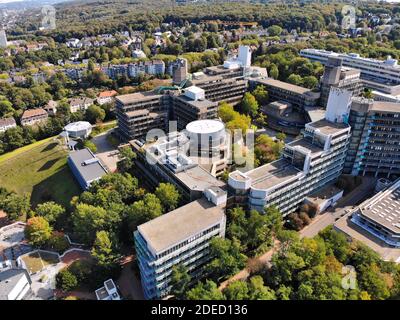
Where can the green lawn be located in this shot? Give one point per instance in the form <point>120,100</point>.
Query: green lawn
<point>40,169</point>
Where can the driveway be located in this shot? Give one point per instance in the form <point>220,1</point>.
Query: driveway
<point>107,154</point>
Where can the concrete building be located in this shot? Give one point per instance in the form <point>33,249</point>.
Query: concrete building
<point>307,165</point>
<point>387,71</point>
<point>7,123</point>
<point>179,70</point>
<point>108,292</point>
<point>301,98</point>
<point>191,106</point>
<point>168,159</point>
<point>137,113</point>
<point>335,75</point>
<point>34,116</point>
<point>86,167</point>
<point>15,284</point>
<point>380,215</point>
<point>180,237</point>
<point>374,146</point>
<point>383,76</point>
<point>78,130</point>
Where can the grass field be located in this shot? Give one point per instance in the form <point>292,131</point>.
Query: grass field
<point>40,169</point>
<point>38,260</point>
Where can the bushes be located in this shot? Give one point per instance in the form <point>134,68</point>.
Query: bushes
<point>66,281</point>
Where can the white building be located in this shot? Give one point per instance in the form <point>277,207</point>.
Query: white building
<point>7,123</point>
<point>14,284</point>
<point>382,71</point>
<point>80,104</point>
<point>108,292</point>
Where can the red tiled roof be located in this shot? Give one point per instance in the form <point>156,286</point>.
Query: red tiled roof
<point>33,113</point>
<point>105,94</point>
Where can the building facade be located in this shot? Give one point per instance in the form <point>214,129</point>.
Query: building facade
<point>374,147</point>
<point>180,237</point>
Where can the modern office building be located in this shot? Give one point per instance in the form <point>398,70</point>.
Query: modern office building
<point>299,97</point>
<point>192,105</point>
<point>335,75</point>
<point>387,71</point>
<point>169,159</point>
<point>374,147</point>
<point>306,165</point>
<point>85,167</point>
<point>137,113</point>
<point>380,215</point>
<point>383,76</point>
<point>180,237</point>
<point>133,70</point>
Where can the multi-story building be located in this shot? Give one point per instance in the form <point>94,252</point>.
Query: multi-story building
<point>178,69</point>
<point>137,113</point>
<point>79,104</point>
<point>335,75</point>
<point>133,70</point>
<point>180,237</point>
<point>306,165</point>
<point>299,97</point>
<point>378,75</point>
<point>380,215</point>
<point>34,116</point>
<point>172,159</point>
<point>106,97</point>
<point>15,284</point>
<point>7,123</point>
<point>191,106</point>
<point>374,147</point>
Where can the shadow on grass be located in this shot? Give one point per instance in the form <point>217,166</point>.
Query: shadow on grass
<point>49,147</point>
<point>49,164</point>
<point>60,188</point>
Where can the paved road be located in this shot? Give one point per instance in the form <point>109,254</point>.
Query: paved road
<point>106,152</point>
<point>346,203</point>
<point>319,223</point>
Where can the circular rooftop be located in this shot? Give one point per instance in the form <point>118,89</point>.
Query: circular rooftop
<point>205,126</point>
<point>78,126</point>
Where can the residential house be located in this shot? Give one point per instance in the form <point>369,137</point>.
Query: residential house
<point>7,123</point>
<point>106,97</point>
<point>33,116</point>
<point>80,104</point>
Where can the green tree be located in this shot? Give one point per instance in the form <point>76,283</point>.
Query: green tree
<point>90,145</point>
<point>16,206</point>
<point>180,280</point>
<point>66,281</point>
<point>295,79</point>
<point>95,114</point>
<point>310,82</point>
<point>103,250</point>
<point>205,291</point>
<point>227,258</point>
<point>274,71</point>
<point>237,290</point>
<point>274,30</point>
<point>261,95</point>
<point>168,196</point>
<point>51,211</point>
<point>249,104</point>
<point>258,291</point>
<point>143,210</point>
<point>126,159</point>
<point>37,231</point>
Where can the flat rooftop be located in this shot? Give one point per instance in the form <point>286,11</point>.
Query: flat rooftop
<point>138,96</point>
<point>198,178</point>
<point>199,104</point>
<point>9,279</point>
<point>326,127</point>
<point>91,171</point>
<point>178,225</point>
<point>324,193</point>
<point>384,208</point>
<point>305,145</point>
<point>283,85</point>
<point>385,106</point>
<point>272,174</point>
